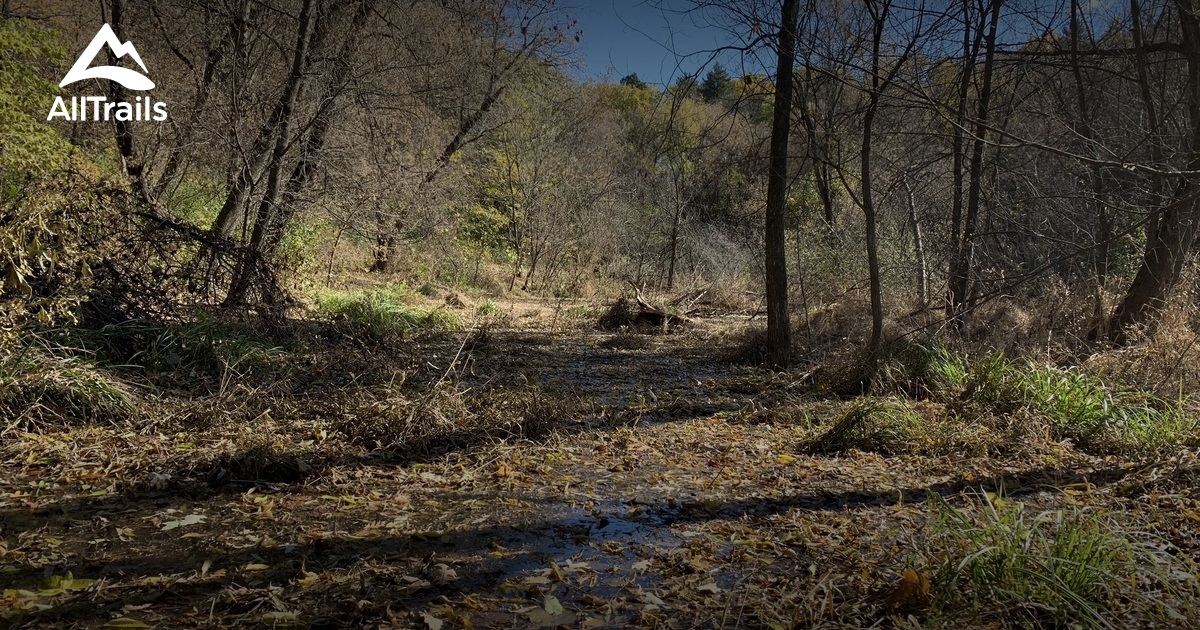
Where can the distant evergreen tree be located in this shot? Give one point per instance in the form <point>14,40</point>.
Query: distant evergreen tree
<point>633,81</point>
<point>717,85</point>
<point>685,85</point>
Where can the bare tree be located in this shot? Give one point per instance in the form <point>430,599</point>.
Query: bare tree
<point>779,321</point>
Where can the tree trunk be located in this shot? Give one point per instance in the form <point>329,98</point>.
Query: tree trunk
<point>1101,232</point>
<point>249,266</point>
<point>1168,246</point>
<point>875,343</point>
<point>820,165</point>
<point>386,250</point>
<point>960,270</point>
<point>970,47</point>
<point>175,161</point>
<point>259,160</point>
<point>919,247</point>
<point>779,326</point>
<point>1156,148</point>
<point>132,164</point>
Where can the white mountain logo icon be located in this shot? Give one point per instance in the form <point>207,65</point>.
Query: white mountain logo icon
<point>129,78</point>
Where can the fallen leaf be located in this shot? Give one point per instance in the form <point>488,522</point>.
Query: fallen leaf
<point>551,605</point>
<point>711,587</point>
<point>280,619</point>
<point>66,583</point>
<point>191,519</point>
<point>125,622</point>
<point>441,574</point>
<point>913,590</point>
<point>431,622</point>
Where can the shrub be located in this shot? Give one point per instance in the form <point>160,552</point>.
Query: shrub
<point>207,346</point>
<point>622,313</point>
<point>51,196</point>
<point>487,309</point>
<point>922,369</point>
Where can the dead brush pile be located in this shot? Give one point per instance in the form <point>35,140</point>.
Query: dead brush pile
<point>621,314</point>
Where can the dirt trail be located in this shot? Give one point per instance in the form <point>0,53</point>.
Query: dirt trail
<point>681,498</point>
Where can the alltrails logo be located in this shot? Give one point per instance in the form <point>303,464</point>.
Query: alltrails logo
<point>98,108</point>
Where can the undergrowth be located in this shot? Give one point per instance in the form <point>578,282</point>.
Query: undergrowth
<point>410,424</point>
<point>383,313</point>
<point>1073,404</point>
<point>38,388</point>
<point>206,347</point>
<point>1078,406</point>
<point>996,559</point>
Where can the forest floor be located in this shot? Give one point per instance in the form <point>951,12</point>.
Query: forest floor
<point>640,480</point>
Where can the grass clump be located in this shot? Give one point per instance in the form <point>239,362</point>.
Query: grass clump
<point>37,388</point>
<point>447,418</point>
<point>923,369</point>
<point>885,426</point>
<point>383,313</point>
<point>1078,406</point>
<point>1057,568</point>
<point>206,347</point>
<point>487,309</point>
<point>582,312</point>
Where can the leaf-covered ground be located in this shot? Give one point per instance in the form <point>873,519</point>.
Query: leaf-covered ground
<point>670,489</point>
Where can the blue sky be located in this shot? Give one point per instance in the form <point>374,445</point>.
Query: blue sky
<point>659,41</point>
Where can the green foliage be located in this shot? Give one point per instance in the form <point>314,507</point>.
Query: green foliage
<point>302,246</point>
<point>47,190</point>
<point>488,309</point>
<point>382,313</point>
<point>483,227</point>
<point>633,81</point>
<point>717,85</point>
<point>1060,568</point>
<point>196,200</point>
<point>923,369</point>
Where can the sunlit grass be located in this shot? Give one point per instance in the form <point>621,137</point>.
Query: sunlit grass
<point>383,313</point>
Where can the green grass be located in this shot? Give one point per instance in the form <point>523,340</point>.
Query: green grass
<point>206,346</point>
<point>37,387</point>
<point>487,309</point>
<point>872,424</point>
<point>1073,404</point>
<point>1057,568</point>
<point>383,313</point>
<point>1078,406</point>
<point>923,369</point>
